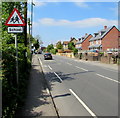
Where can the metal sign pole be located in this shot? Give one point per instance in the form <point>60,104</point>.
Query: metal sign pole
<point>16,46</point>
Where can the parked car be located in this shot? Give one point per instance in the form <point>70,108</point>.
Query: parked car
<point>47,56</point>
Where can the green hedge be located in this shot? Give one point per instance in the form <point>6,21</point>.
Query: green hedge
<point>11,99</point>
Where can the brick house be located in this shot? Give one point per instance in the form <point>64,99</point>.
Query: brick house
<point>105,40</point>
<point>83,42</point>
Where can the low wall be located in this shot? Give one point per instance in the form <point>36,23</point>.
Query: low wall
<point>70,55</point>
<point>103,59</point>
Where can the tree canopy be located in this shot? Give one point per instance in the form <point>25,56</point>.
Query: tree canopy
<point>59,45</point>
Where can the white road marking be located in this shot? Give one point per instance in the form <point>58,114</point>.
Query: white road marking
<point>40,61</point>
<point>49,67</point>
<point>47,90</point>
<point>69,63</point>
<point>81,68</point>
<point>83,104</point>
<point>58,76</point>
<point>107,78</point>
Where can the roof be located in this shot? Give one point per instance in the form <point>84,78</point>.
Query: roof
<point>100,36</point>
<point>65,42</point>
<point>73,39</point>
<point>95,46</point>
<point>83,39</point>
<point>79,47</point>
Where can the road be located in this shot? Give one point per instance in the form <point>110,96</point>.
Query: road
<point>81,88</point>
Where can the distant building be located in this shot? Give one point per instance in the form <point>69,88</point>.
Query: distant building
<point>83,42</point>
<point>72,39</point>
<point>65,45</point>
<point>106,39</point>
<point>42,48</point>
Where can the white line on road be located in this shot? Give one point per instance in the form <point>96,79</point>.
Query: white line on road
<point>49,67</point>
<point>58,76</point>
<point>69,63</point>
<point>107,78</point>
<point>84,105</point>
<point>48,91</point>
<point>40,61</point>
<point>81,68</point>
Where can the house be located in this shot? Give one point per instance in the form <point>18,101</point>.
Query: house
<point>83,42</point>
<point>105,40</point>
<point>72,39</point>
<point>65,45</point>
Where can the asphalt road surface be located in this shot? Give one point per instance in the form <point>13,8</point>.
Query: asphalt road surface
<point>80,88</point>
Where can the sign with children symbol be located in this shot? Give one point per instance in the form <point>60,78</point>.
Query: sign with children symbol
<point>15,19</point>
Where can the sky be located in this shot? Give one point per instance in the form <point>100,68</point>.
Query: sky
<point>59,21</point>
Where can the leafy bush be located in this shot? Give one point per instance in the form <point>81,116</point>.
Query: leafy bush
<point>53,51</point>
<point>75,51</point>
<point>12,94</point>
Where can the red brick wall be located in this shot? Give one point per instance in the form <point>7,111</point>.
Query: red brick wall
<point>110,40</point>
<point>86,43</point>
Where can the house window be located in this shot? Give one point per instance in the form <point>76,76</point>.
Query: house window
<point>91,43</point>
<point>96,41</point>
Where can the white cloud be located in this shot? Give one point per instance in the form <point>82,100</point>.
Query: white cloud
<point>82,4</point>
<point>85,23</point>
<point>38,3</point>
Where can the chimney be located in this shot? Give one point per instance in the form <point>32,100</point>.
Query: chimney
<point>105,27</point>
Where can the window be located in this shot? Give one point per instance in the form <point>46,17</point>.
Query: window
<point>96,41</point>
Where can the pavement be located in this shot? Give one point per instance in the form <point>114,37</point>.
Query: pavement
<point>38,101</point>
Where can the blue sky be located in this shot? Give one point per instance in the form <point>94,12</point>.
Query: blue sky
<point>55,21</point>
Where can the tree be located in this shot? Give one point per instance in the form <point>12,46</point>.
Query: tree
<point>59,45</point>
<point>39,40</point>
<point>36,44</point>
<point>71,46</point>
<point>50,47</point>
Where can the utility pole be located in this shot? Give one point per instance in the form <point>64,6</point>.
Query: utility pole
<point>32,4</point>
<point>31,15</point>
<point>25,19</point>
<point>29,24</point>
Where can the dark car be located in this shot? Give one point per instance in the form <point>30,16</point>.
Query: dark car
<point>47,56</point>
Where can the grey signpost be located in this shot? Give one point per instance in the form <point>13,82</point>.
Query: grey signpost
<point>16,47</point>
<point>15,23</point>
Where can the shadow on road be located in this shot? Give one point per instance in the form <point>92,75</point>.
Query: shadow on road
<point>63,95</point>
<point>51,77</point>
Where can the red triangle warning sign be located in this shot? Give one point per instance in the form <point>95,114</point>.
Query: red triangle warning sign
<point>15,19</point>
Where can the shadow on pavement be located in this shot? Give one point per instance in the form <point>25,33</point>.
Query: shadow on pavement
<point>36,95</point>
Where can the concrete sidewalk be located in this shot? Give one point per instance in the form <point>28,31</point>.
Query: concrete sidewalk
<point>38,102</point>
